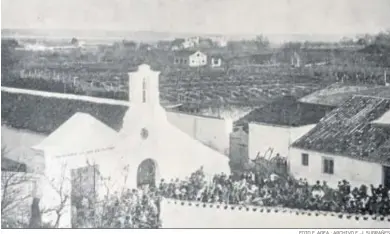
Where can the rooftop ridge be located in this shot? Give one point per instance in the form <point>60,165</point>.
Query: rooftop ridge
<point>270,209</point>
<point>369,96</point>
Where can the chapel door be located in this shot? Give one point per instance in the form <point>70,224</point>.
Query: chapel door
<point>146,173</point>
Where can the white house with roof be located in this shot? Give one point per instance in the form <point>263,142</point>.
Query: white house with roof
<point>197,59</point>
<point>275,126</point>
<point>190,58</point>
<point>350,143</point>
<point>216,61</point>
<point>146,149</point>
<point>191,42</point>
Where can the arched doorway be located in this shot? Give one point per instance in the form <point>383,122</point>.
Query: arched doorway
<point>146,173</point>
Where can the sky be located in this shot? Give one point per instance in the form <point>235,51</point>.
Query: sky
<point>201,16</point>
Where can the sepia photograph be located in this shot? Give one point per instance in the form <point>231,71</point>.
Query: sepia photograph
<point>195,114</point>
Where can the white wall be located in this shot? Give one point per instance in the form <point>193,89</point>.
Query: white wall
<point>216,62</point>
<point>263,137</point>
<point>197,59</point>
<point>355,171</point>
<point>205,129</point>
<point>185,216</point>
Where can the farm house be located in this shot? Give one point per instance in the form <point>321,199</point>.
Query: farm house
<point>275,126</point>
<point>351,143</point>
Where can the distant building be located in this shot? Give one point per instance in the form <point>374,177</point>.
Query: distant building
<point>216,61</point>
<point>350,143</point>
<point>191,42</point>
<point>198,59</point>
<point>181,58</point>
<point>190,58</point>
<point>220,41</point>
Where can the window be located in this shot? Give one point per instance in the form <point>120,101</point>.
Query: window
<point>144,91</point>
<point>144,133</point>
<point>328,165</point>
<point>305,159</point>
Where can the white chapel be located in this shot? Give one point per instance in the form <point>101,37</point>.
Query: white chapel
<point>147,147</point>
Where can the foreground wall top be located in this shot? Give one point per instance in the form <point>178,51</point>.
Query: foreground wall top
<point>184,214</point>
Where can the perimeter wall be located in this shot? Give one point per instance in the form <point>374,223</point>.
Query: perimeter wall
<point>179,214</point>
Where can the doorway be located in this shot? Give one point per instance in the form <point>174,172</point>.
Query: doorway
<point>146,173</point>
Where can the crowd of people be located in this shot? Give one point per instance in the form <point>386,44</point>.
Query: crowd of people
<point>252,189</point>
<point>136,208</point>
<point>140,208</point>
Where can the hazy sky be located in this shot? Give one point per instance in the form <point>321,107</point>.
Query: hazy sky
<point>205,16</point>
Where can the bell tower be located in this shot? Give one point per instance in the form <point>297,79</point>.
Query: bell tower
<point>144,87</point>
<point>145,111</point>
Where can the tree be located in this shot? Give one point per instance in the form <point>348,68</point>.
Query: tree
<point>74,41</point>
<point>262,42</point>
<point>8,57</point>
<point>14,194</point>
<point>58,187</point>
<point>129,44</point>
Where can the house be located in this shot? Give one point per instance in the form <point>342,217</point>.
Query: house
<point>197,59</point>
<point>220,41</point>
<point>181,58</point>
<point>275,126</point>
<point>191,42</point>
<point>350,143</point>
<point>215,61</point>
<point>190,58</point>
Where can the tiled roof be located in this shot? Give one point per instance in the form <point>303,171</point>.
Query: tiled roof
<point>287,111</point>
<point>347,131</point>
<point>184,53</point>
<point>337,94</point>
<point>45,114</point>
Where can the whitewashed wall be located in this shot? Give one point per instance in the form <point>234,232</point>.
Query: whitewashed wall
<point>263,137</point>
<point>197,59</point>
<point>209,130</point>
<point>357,172</point>
<point>185,216</point>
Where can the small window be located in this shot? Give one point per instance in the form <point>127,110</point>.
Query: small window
<point>328,165</point>
<point>144,90</point>
<point>305,159</point>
